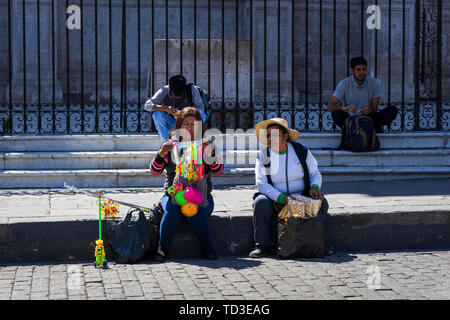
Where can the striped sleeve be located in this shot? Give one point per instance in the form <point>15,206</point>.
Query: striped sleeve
<point>217,166</point>
<point>158,164</point>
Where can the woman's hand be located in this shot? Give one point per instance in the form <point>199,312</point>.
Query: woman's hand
<point>166,147</point>
<point>208,149</point>
<point>315,194</point>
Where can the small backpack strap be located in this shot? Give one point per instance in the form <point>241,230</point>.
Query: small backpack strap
<point>189,93</point>
<point>302,153</point>
<point>266,163</point>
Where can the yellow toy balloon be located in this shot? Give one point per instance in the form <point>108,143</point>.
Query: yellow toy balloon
<point>189,209</point>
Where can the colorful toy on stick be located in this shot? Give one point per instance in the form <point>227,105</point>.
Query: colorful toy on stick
<point>100,258</point>
<point>109,209</point>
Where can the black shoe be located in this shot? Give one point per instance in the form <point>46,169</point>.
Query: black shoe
<point>208,253</point>
<point>162,254</point>
<point>259,252</point>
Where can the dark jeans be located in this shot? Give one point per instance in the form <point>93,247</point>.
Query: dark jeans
<point>265,220</point>
<point>379,118</point>
<point>172,218</point>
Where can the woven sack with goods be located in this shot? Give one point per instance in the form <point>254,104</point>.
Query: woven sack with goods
<point>301,228</point>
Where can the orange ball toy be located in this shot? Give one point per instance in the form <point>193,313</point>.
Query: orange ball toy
<point>189,209</point>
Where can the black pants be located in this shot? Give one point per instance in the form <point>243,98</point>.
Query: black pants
<point>380,118</point>
<point>265,220</point>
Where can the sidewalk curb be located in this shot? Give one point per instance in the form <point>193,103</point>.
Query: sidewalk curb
<point>232,234</point>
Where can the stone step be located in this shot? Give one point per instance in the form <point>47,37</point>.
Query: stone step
<point>151,142</point>
<point>119,178</point>
<point>231,158</point>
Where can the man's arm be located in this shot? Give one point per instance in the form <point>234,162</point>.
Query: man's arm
<point>374,102</point>
<point>155,103</point>
<point>333,105</point>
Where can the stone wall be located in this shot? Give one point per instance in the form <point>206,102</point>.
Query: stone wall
<point>331,72</point>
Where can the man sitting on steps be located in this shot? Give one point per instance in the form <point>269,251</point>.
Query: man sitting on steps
<point>360,94</point>
<point>170,99</point>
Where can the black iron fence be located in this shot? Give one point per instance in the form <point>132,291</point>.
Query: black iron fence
<point>88,66</point>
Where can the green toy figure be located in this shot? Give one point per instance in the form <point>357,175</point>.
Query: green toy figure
<point>100,258</point>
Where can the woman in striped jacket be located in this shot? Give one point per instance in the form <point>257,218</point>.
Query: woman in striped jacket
<point>186,123</point>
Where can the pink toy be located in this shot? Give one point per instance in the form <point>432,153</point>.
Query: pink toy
<point>193,195</point>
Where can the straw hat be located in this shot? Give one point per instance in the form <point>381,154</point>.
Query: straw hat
<point>262,137</point>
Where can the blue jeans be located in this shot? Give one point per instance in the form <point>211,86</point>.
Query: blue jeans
<point>172,218</point>
<point>164,122</point>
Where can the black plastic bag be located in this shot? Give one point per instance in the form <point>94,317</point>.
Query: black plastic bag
<point>132,241</point>
<point>303,238</point>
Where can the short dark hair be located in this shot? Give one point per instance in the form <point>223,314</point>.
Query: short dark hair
<point>357,61</point>
<point>177,85</point>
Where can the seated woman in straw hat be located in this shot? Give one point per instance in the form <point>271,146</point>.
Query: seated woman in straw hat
<point>285,167</point>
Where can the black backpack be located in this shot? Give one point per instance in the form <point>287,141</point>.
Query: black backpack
<point>359,135</point>
<point>203,95</point>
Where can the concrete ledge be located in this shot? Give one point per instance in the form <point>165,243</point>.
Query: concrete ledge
<point>232,234</point>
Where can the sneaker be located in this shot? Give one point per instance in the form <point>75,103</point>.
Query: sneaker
<point>208,253</point>
<point>259,252</point>
<point>162,254</point>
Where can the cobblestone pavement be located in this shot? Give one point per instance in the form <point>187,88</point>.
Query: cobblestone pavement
<point>344,275</point>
